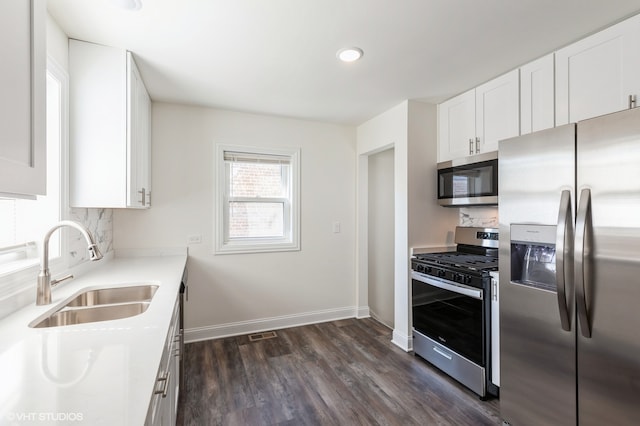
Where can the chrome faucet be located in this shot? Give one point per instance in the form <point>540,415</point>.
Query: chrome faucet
<point>43,295</point>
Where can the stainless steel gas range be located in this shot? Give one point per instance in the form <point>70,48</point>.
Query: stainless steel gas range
<point>451,308</point>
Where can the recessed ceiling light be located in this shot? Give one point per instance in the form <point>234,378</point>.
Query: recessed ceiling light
<point>128,4</point>
<point>350,54</point>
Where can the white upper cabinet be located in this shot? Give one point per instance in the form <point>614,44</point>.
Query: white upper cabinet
<point>497,111</point>
<point>599,74</point>
<point>139,150</point>
<point>109,129</point>
<point>537,97</point>
<point>23,99</point>
<point>457,126</point>
<point>474,122</point>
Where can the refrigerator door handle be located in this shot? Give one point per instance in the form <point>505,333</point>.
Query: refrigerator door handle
<point>564,270</point>
<point>582,260</point>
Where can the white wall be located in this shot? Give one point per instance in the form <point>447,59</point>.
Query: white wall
<point>57,43</point>
<point>411,128</point>
<point>381,236</point>
<point>430,224</point>
<point>239,293</point>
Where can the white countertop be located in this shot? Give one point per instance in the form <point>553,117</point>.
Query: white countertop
<point>100,373</point>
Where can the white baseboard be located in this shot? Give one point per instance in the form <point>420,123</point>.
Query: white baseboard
<point>363,312</point>
<point>266,324</point>
<point>403,342</point>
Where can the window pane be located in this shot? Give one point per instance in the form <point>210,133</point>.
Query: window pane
<point>257,180</point>
<point>250,220</point>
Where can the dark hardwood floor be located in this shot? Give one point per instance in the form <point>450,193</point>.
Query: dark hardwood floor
<point>336,373</point>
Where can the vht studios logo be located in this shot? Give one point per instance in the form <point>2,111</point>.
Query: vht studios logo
<point>45,416</point>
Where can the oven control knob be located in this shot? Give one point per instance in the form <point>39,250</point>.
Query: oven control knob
<point>428,269</point>
<point>441,273</point>
<point>419,268</point>
<point>459,278</point>
<point>467,279</point>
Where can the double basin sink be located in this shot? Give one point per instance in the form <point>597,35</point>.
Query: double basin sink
<point>102,304</point>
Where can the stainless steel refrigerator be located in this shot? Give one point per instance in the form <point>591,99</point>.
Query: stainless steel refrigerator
<point>569,207</point>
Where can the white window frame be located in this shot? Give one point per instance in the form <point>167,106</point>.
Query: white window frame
<point>291,240</point>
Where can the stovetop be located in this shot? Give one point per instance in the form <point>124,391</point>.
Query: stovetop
<point>463,260</point>
<point>476,255</point>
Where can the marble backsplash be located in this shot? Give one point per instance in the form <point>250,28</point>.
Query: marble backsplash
<point>100,223</point>
<point>479,216</point>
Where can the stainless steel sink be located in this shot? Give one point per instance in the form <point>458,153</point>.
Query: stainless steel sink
<point>108,296</point>
<point>73,316</point>
<point>102,304</point>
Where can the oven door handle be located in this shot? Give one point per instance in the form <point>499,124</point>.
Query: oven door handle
<point>456,288</point>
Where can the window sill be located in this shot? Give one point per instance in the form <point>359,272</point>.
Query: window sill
<point>247,248</point>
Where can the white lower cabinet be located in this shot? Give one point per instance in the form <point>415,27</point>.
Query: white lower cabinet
<point>163,408</point>
<point>495,329</point>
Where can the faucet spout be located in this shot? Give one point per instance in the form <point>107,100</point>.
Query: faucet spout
<point>43,296</point>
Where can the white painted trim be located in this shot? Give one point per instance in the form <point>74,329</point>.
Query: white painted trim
<point>363,312</point>
<point>403,342</point>
<point>291,240</point>
<point>266,324</point>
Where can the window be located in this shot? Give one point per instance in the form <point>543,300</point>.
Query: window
<point>23,222</point>
<point>257,200</point>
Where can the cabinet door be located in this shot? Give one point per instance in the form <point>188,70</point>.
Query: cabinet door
<point>22,104</point>
<point>138,139</point>
<point>98,125</point>
<point>596,75</point>
<point>498,110</point>
<point>456,126</point>
<point>537,100</point>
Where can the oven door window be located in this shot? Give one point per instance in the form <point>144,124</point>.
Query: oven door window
<point>453,319</point>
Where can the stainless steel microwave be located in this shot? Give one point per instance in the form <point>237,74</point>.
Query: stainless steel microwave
<point>469,181</point>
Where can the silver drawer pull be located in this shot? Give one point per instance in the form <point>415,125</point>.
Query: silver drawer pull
<point>143,200</point>
<point>165,388</point>
<point>439,352</point>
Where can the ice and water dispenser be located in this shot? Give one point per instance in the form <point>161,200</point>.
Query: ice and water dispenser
<point>533,256</point>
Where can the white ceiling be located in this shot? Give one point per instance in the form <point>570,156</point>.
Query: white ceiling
<point>278,56</point>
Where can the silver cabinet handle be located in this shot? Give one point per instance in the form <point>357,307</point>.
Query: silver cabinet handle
<point>440,352</point>
<point>632,101</point>
<point>477,145</point>
<point>564,234</point>
<point>470,146</point>
<point>144,197</point>
<point>165,387</point>
<point>582,248</point>
<point>149,196</point>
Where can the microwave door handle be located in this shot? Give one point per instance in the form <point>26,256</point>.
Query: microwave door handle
<point>563,257</point>
<point>582,260</point>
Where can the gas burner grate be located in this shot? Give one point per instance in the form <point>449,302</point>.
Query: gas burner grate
<point>461,260</point>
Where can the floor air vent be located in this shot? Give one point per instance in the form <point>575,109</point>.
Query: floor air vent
<point>262,336</point>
